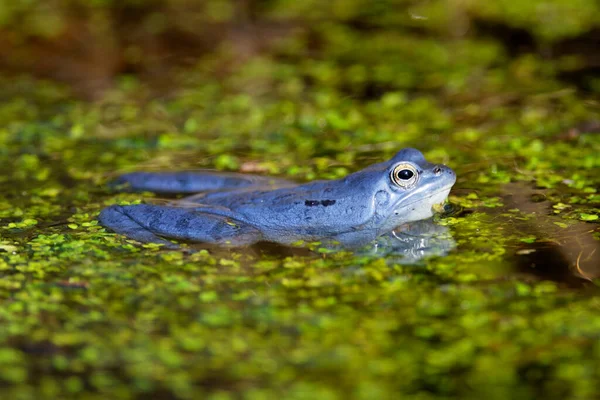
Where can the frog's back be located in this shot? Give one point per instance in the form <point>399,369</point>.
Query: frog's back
<point>322,206</point>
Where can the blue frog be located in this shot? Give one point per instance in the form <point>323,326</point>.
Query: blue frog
<point>238,209</point>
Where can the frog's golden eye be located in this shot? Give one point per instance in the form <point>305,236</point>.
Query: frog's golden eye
<point>404,175</point>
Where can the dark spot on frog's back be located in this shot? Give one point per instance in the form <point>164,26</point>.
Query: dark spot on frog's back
<point>314,203</point>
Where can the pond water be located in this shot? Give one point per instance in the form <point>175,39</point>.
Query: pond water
<point>496,298</point>
<point>497,294</point>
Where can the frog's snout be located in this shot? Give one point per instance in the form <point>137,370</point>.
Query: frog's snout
<point>441,170</point>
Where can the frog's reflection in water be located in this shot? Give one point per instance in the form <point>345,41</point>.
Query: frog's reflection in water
<point>409,244</point>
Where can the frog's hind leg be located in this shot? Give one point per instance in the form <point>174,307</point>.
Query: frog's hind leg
<point>149,223</point>
<point>117,219</point>
<point>190,181</point>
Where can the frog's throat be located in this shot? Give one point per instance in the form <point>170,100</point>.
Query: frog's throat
<point>429,196</point>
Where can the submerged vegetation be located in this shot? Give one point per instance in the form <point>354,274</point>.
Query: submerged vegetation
<point>306,91</point>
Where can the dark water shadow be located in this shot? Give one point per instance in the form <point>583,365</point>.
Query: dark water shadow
<point>569,255</point>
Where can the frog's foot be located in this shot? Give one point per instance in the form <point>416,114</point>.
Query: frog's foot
<point>149,223</point>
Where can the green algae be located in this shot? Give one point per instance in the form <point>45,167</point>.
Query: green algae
<point>90,314</point>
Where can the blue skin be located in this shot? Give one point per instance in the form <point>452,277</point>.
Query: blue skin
<point>236,209</point>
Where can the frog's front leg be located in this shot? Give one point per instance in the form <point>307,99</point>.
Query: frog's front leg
<point>190,181</point>
<point>150,223</point>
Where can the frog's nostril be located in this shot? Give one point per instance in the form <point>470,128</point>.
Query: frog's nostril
<point>437,170</point>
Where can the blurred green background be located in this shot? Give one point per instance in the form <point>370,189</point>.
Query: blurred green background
<point>504,92</point>
<point>88,43</point>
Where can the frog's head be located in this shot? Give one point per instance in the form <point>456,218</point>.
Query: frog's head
<point>411,188</point>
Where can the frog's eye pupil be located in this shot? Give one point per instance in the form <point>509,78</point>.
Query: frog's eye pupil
<point>405,174</point>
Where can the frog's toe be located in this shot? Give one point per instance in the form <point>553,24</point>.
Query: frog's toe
<point>120,184</point>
